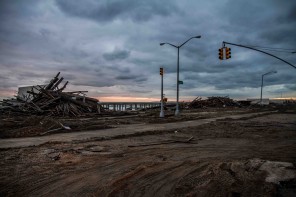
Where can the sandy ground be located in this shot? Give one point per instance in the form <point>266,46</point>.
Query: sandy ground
<point>118,130</point>
<point>252,156</point>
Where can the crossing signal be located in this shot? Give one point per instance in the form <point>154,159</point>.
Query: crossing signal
<point>221,54</point>
<point>228,53</point>
<point>161,71</point>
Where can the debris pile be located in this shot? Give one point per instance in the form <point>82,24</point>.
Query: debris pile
<point>214,101</point>
<point>51,100</point>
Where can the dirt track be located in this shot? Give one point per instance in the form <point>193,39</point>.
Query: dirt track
<point>125,130</point>
<point>226,158</point>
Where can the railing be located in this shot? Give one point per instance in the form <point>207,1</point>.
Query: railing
<point>124,106</point>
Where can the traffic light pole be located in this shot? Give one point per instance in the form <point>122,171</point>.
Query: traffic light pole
<point>261,90</point>
<point>161,115</point>
<point>239,45</point>
<point>177,112</point>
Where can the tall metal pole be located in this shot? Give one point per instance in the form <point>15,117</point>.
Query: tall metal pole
<point>261,90</point>
<point>268,73</point>
<point>177,112</point>
<point>161,115</point>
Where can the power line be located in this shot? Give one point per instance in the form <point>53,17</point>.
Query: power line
<point>276,50</point>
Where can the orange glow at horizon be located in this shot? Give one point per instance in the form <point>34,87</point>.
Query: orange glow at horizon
<point>126,99</point>
<point>145,99</point>
<point>286,98</point>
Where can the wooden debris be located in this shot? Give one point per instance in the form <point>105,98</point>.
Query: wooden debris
<point>51,100</point>
<point>214,101</point>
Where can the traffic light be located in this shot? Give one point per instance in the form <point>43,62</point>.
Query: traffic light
<point>221,54</point>
<point>161,71</point>
<point>228,53</point>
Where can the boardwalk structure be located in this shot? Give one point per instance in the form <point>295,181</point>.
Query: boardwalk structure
<point>124,106</point>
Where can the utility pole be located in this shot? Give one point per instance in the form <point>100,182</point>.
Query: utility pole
<point>177,112</point>
<point>269,73</point>
<point>161,115</point>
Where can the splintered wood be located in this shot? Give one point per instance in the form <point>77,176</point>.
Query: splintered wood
<point>214,101</point>
<point>51,100</point>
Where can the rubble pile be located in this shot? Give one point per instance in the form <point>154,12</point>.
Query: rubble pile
<point>214,101</point>
<point>51,100</point>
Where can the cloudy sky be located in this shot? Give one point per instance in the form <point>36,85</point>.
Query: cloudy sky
<point>111,47</point>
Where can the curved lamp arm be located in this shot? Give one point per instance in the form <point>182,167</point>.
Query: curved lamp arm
<point>163,43</point>
<point>188,40</point>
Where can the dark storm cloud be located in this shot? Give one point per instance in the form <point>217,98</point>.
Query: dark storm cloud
<point>11,9</point>
<point>106,10</point>
<point>116,55</point>
<point>121,48</point>
<point>131,78</point>
<point>141,79</point>
<point>223,81</point>
<point>291,15</point>
<point>283,33</point>
<point>291,87</point>
<point>114,69</point>
<point>284,30</point>
<point>266,22</point>
<point>124,77</point>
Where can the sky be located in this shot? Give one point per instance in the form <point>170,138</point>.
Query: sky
<point>110,48</point>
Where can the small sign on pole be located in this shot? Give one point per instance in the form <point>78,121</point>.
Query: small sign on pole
<point>180,82</point>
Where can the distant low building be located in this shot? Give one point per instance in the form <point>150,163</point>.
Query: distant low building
<point>265,101</point>
<point>277,101</point>
<point>23,91</point>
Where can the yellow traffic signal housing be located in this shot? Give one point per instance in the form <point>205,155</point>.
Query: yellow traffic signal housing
<point>221,54</point>
<point>228,53</point>
<point>161,71</point>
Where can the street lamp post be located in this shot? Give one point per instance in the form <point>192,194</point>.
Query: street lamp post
<point>177,112</point>
<point>268,73</point>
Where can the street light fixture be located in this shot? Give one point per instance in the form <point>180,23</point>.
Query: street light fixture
<point>268,73</point>
<point>177,112</point>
